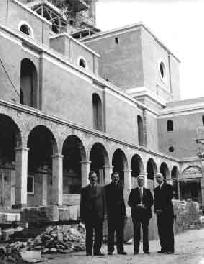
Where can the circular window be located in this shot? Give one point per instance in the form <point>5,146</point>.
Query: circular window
<point>162,70</point>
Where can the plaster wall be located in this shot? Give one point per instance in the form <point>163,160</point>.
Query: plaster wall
<point>120,63</point>
<point>12,14</point>
<point>11,67</point>
<point>153,54</point>
<point>183,137</point>
<point>73,51</point>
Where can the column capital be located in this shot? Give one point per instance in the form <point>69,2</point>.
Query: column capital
<point>21,149</point>
<point>127,171</point>
<point>143,174</point>
<point>85,162</point>
<point>108,167</point>
<point>57,155</point>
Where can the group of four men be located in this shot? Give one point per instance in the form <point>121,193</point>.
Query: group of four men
<point>96,200</point>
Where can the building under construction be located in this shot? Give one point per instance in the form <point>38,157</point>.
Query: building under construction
<point>73,98</point>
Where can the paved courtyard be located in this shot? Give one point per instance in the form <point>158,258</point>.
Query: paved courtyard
<point>189,250</point>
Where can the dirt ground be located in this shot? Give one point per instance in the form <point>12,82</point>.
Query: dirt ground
<point>189,250</point>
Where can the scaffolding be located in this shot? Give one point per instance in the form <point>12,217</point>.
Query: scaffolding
<point>72,16</point>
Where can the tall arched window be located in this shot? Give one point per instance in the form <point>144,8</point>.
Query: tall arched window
<point>82,63</point>
<point>97,112</point>
<point>140,130</point>
<point>28,83</point>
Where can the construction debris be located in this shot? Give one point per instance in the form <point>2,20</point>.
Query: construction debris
<point>56,239</point>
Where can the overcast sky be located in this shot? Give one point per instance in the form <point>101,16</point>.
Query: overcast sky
<point>179,24</point>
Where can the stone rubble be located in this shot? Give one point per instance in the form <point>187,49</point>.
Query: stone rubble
<point>56,239</point>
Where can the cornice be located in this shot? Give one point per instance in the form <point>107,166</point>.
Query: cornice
<point>103,135</point>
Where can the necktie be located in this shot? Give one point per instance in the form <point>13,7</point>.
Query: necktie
<point>140,189</point>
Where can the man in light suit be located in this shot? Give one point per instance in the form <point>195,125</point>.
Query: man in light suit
<point>163,207</point>
<point>116,212</point>
<point>141,201</point>
<point>92,209</point>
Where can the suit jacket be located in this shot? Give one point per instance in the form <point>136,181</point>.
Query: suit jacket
<point>114,201</point>
<point>163,199</point>
<point>92,204</point>
<point>139,213</point>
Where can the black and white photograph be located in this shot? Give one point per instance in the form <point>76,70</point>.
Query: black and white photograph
<point>102,131</point>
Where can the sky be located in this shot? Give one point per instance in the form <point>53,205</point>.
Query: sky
<point>179,24</point>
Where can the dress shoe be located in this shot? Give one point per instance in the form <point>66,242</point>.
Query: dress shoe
<point>161,251</point>
<point>169,252</point>
<point>99,254</point>
<point>88,254</point>
<point>146,252</point>
<point>110,253</point>
<point>122,253</point>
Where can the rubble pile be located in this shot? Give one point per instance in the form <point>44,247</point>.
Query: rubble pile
<point>56,239</point>
<point>11,253</point>
<point>186,215</point>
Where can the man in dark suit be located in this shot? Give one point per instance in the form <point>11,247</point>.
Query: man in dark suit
<point>163,207</point>
<point>92,208</point>
<point>116,212</point>
<point>141,201</point>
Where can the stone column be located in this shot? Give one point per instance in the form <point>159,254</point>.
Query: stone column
<point>85,169</point>
<point>145,127</point>
<point>179,190</point>
<point>202,191</point>
<point>21,169</point>
<point>44,176</point>
<point>108,172</point>
<point>57,179</point>
<point>127,184</point>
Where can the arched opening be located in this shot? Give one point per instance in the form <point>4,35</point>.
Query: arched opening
<point>170,125</point>
<point>164,170</point>
<point>151,172</point>
<point>97,112</point>
<point>137,168</point>
<point>25,29</point>
<point>99,160</point>
<point>74,153</point>
<point>28,84</point>
<point>162,70</point>
<point>82,63</point>
<point>10,138</point>
<point>42,145</point>
<point>119,163</point>
<point>174,176</point>
<point>190,184</point>
<point>140,130</point>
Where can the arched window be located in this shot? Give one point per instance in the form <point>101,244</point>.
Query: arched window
<point>97,112</point>
<point>140,130</point>
<point>170,125</point>
<point>25,28</point>
<point>203,119</point>
<point>162,70</point>
<point>82,63</point>
<point>28,84</point>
